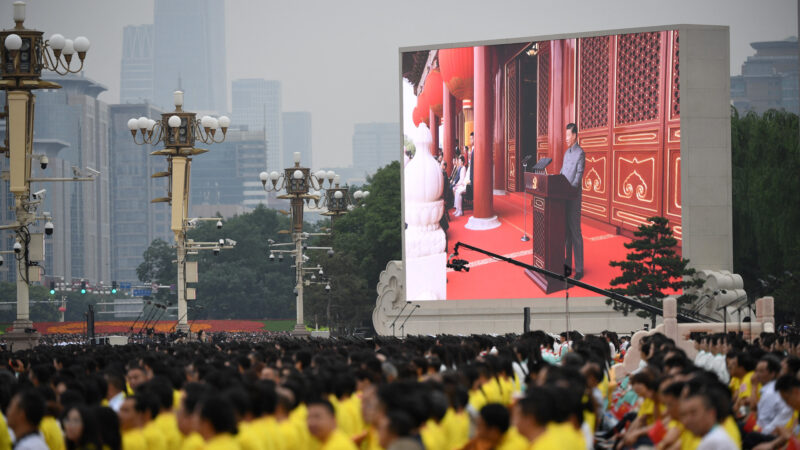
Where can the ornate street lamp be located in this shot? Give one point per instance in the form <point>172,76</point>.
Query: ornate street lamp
<point>318,190</point>
<point>24,53</point>
<point>178,131</point>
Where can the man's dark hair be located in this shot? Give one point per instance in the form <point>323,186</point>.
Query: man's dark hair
<point>472,133</point>
<point>773,363</point>
<point>400,423</point>
<point>33,404</point>
<point>324,403</point>
<point>786,383</point>
<point>496,416</point>
<point>538,403</point>
<point>218,411</point>
<point>572,127</point>
<point>116,379</point>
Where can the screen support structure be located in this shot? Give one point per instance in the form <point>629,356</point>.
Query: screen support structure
<point>613,295</point>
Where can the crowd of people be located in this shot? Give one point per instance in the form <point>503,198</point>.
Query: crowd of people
<point>535,390</point>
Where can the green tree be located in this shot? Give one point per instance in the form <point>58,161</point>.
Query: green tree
<point>765,163</point>
<point>653,268</point>
<point>364,240</point>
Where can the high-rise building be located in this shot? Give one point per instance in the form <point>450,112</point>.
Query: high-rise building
<point>190,54</point>
<point>376,145</point>
<point>769,79</point>
<point>136,74</point>
<point>297,137</point>
<point>72,128</point>
<point>135,221</point>
<point>256,105</point>
<point>219,177</point>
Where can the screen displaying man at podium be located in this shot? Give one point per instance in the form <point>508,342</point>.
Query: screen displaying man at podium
<point>572,169</point>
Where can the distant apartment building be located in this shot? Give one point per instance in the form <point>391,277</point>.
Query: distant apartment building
<point>225,176</point>
<point>256,106</point>
<point>769,78</point>
<point>71,128</point>
<point>135,221</point>
<point>297,138</point>
<point>376,145</point>
<point>136,71</point>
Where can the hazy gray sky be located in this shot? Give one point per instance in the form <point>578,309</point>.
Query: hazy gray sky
<point>339,59</point>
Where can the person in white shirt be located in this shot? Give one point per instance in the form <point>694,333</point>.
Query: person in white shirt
<point>460,186</point>
<point>699,414</point>
<point>115,393</point>
<point>24,414</point>
<point>773,412</point>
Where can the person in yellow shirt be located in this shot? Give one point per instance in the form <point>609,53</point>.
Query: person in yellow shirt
<point>217,423</point>
<point>493,430</point>
<point>146,408</point>
<point>190,439</point>
<point>129,422</point>
<point>321,421</point>
<point>164,421</point>
<point>532,413</point>
<point>545,418</point>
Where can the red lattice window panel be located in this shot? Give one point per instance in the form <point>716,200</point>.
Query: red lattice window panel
<point>513,94</point>
<point>638,58</point>
<point>594,82</point>
<point>676,84</point>
<point>544,88</point>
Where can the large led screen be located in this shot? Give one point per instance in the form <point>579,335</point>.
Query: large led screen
<point>481,124</point>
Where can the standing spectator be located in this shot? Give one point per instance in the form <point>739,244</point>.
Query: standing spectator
<point>217,424</point>
<point>80,429</point>
<point>24,414</point>
<point>322,425</point>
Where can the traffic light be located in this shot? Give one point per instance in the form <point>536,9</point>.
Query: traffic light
<point>113,287</point>
<point>52,288</point>
<point>83,287</point>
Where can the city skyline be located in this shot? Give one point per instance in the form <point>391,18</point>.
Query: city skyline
<point>288,47</point>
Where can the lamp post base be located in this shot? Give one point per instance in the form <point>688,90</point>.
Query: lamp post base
<point>23,336</point>
<point>300,330</point>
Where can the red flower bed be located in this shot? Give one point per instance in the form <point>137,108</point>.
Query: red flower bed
<point>124,326</point>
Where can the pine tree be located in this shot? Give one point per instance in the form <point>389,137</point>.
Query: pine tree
<point>653,268</point>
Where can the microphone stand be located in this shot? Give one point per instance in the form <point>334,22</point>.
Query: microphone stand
<point>144,305</point>
<point>403,325</point>
<point>525,237</point>
<point>398,316</point>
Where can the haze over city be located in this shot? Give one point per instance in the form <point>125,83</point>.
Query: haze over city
<point>339,60</point>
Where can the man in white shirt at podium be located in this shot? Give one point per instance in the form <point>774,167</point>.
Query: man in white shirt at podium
<point>572,169</point>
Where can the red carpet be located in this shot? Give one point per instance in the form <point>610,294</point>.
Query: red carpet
<point>490,279</point>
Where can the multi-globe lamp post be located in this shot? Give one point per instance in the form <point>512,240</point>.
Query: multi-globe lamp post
<point>24,54</point>
<point>178,131</point>
<point>319,190</point>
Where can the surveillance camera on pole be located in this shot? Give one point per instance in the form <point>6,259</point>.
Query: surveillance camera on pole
<point>330,253</point>
<point>17,247</point>
<point>1,260</point>
<point>219,224</point>
<point>272,257</point>
<point>216,251</point>
<point>43,161</point>
<point>39,195</point>
<point>48,228</point>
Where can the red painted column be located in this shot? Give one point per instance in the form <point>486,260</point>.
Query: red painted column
<point>434,126</point>
<point>557,125</point>
<point>482,184</point>
<point>449,128</point>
